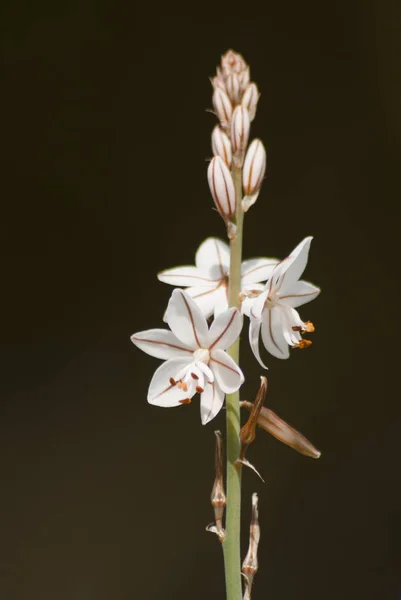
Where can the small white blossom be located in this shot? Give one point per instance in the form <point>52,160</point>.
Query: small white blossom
<point>195,357</point>
<point>207,282</point>
<point>273,311</point>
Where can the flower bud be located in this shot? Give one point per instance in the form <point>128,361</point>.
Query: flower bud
<point>232,62</point>
<point>244,78</point>
<point>221,145</point>
<point>253,173</point>
<point>217,82</point>
<point>222,187</point>
<point>222,107</point>
<point>250,99</point>
<point>240,126</point>
<point>233,87</point>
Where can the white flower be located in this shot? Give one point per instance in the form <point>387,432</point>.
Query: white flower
<point>273,310</point>
<point>208,281</point>
<point>195,358</point>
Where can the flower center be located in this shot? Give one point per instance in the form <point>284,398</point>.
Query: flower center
<point>202,355</point>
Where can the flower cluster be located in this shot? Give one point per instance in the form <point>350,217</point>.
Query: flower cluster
<point>196,361</point>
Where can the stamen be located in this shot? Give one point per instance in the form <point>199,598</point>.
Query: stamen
<point>185,401</point>
<point>303,344</point>
<point>182,385</point>
<point>309,327</point>
<point>172,381</point>
<point>194,376</point>
<point>297,328</point>
<point>199,389</point>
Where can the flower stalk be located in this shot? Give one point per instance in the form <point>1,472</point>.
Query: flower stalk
<point>231,546</point>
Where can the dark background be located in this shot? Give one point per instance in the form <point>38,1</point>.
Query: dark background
<point>106,135</point>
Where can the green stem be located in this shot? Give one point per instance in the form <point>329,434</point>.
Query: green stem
<point>231,546</point>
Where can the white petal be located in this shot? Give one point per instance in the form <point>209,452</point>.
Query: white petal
<point>186,320</point>
<point>213,258</point>
<point>290,318</point>
<point>226,371</point>
<point>250,292</point>
<point>291,268</point>
<point>206,299</point>
<point>272,333</point>
<point>225,329</point>
<point>206,371</point>
<point>299,293</point>
<point>211,402</point>
<point>221,300</point>
<point>160,343</point>
<point>185,276</point>
<point>254,329</point>
<point>258,305</point>
<point>257,269</point>
<point>161,391</point>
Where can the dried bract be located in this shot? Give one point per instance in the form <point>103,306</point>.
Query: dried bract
<point>279,429</point>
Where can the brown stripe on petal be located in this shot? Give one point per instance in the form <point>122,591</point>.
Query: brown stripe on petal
<point>224,330</point>
<point>215,196</point>
<point>162,344</point>
<point>187,276</point>
<point>192,320</point>
<point>222,271</point>
<point>224,365</point>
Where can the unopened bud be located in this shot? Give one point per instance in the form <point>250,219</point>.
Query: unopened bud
<point>250,564</point>
<point>221,145</point>
<point>222,107</point>
<point>233,87</point>
<point>279,429</point>
<point>232,62</point>
<point>240,126</point>
<point>218,82</point>
<point>250,99</point>
<point>253,173</point>
<point>244,78</point>
<point>222,187</point>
